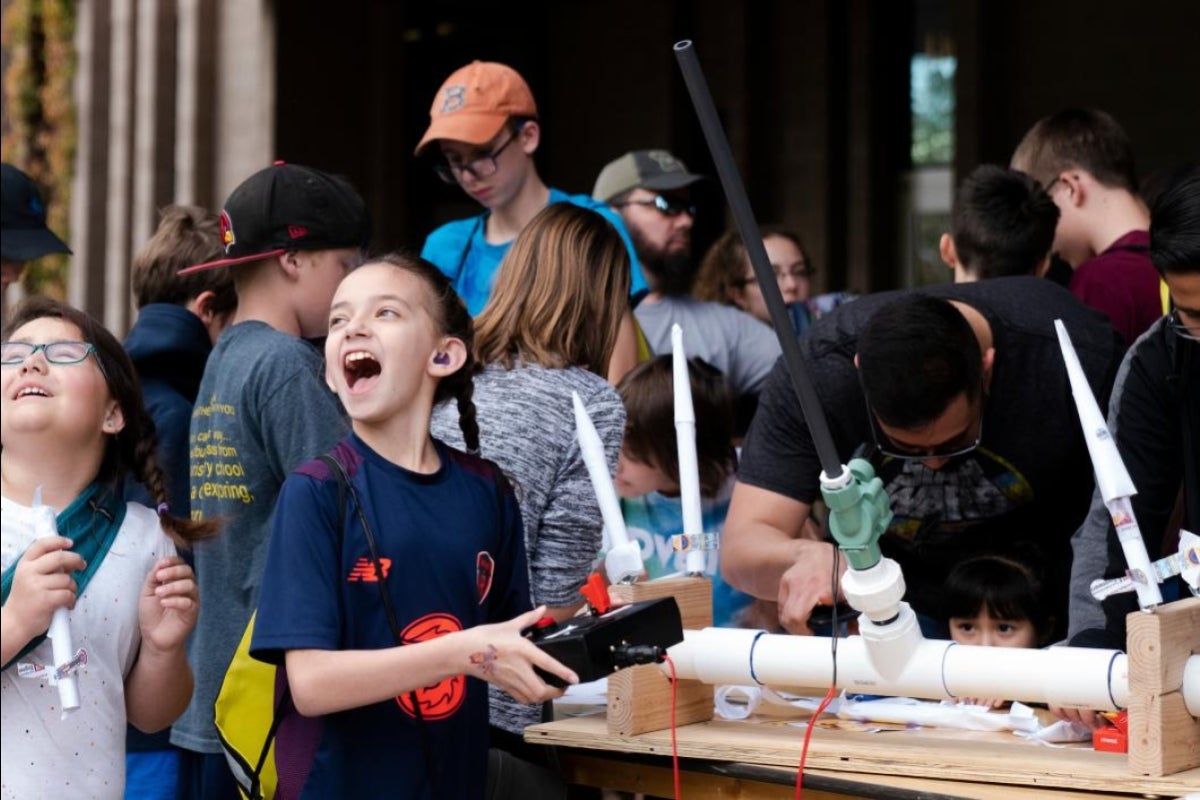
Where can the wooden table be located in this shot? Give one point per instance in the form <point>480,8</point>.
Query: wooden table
<point>757,758</point>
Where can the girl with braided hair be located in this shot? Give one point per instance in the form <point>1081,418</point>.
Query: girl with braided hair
<point>396,568</point>
<point>74,427</point>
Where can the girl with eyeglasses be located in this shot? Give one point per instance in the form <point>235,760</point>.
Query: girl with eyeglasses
<point>726,276</point>
<point>74,427</point>
<point>482,136</point>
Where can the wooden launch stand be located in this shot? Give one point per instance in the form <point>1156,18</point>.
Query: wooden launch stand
<point>639,698</point>
<point>1164,738</point>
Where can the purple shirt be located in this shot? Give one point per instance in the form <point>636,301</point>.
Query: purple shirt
<point>1123,284</point>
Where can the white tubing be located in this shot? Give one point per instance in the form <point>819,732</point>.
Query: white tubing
<point>1070,677</point>
<point>717,655</point>
<point>1191,686</point>
<point>685,443</point>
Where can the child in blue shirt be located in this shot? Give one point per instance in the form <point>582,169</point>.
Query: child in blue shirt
<point>648,471</point>
<point>382,719</point>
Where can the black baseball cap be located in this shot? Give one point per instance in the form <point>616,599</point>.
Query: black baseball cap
<point>23,232</point>
<point>287,207</point>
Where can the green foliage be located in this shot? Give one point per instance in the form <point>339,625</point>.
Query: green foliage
<point>41,133</point>
<point>932,109</point>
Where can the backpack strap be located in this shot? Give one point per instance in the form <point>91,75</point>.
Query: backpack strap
<point>285,697</point>
<point>344,487</point>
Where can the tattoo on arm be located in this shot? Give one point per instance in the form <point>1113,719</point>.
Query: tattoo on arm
<point>485,661</point>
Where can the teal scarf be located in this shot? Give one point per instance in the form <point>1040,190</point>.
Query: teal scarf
<point>91,522</point>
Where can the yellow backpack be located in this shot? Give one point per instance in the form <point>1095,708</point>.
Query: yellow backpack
<point>246,712</point>
<point>247,719</point>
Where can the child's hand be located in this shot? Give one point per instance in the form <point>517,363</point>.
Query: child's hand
<point>499,654</point>
<point>1082,716</point>
<point>168,605</point>
<point>42,583</point>
<point>977,701</point>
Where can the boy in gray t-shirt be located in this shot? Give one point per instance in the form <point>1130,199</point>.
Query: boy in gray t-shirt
<point>263,409</point>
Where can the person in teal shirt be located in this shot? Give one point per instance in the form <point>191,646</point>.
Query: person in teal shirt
<point>484,120</point>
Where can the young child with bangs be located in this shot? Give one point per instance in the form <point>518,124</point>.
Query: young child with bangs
<point>389,626</point>
<point>995,601</point>
<point>74,428</point>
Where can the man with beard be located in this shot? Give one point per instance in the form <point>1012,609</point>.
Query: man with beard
<point>650,190</point>
<point>960,398</point>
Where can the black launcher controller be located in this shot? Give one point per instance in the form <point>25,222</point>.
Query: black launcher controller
<point>596,645</point>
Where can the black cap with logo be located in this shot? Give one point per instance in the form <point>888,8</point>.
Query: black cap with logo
<point>287,207</point>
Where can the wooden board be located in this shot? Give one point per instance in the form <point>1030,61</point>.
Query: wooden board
<point>620,772</point>
<point>987,758</point>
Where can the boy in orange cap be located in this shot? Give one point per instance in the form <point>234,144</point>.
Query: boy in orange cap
<point>485,122</point>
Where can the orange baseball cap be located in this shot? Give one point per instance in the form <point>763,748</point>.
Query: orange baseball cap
<point>475,102</point>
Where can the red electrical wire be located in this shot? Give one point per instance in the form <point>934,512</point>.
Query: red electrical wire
<point>674,743</point>
<point>835,580</point>
<point>808,734</point>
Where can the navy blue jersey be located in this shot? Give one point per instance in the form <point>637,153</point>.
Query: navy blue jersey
<point>452,551</point>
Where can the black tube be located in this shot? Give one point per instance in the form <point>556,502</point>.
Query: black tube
<point>735,194</point>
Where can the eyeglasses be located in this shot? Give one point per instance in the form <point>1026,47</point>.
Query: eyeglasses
<point>666,206</point>
<point>13,354</point>
<point>1182,329</point>
<point>483,166</point>
<point>891,449</point>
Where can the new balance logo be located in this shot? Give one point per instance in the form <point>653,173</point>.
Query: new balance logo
<point>364,570</point>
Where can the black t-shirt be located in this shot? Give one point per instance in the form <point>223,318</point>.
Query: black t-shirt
<point>1026,486</point>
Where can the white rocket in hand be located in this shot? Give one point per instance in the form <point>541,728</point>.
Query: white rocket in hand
<point>623,562</point>
<point>61,672</point>
<point>689,469</point>
<point>1112,479</point>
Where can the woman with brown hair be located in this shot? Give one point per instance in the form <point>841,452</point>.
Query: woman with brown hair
<point>725,276</point>
<point>549,330</point>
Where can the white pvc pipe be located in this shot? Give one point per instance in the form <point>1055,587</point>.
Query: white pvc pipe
<point>685,440</point>
<point>1069,677</point>
<point>1191,686</point>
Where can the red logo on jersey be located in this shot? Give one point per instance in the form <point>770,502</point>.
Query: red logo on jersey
<point>485,568</point>
<point>364,570</point>
<point>445,697</point>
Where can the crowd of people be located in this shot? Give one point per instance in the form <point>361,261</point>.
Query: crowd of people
<point>393,511</point>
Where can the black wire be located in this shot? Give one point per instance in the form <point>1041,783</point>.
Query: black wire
<point>835,581</point>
